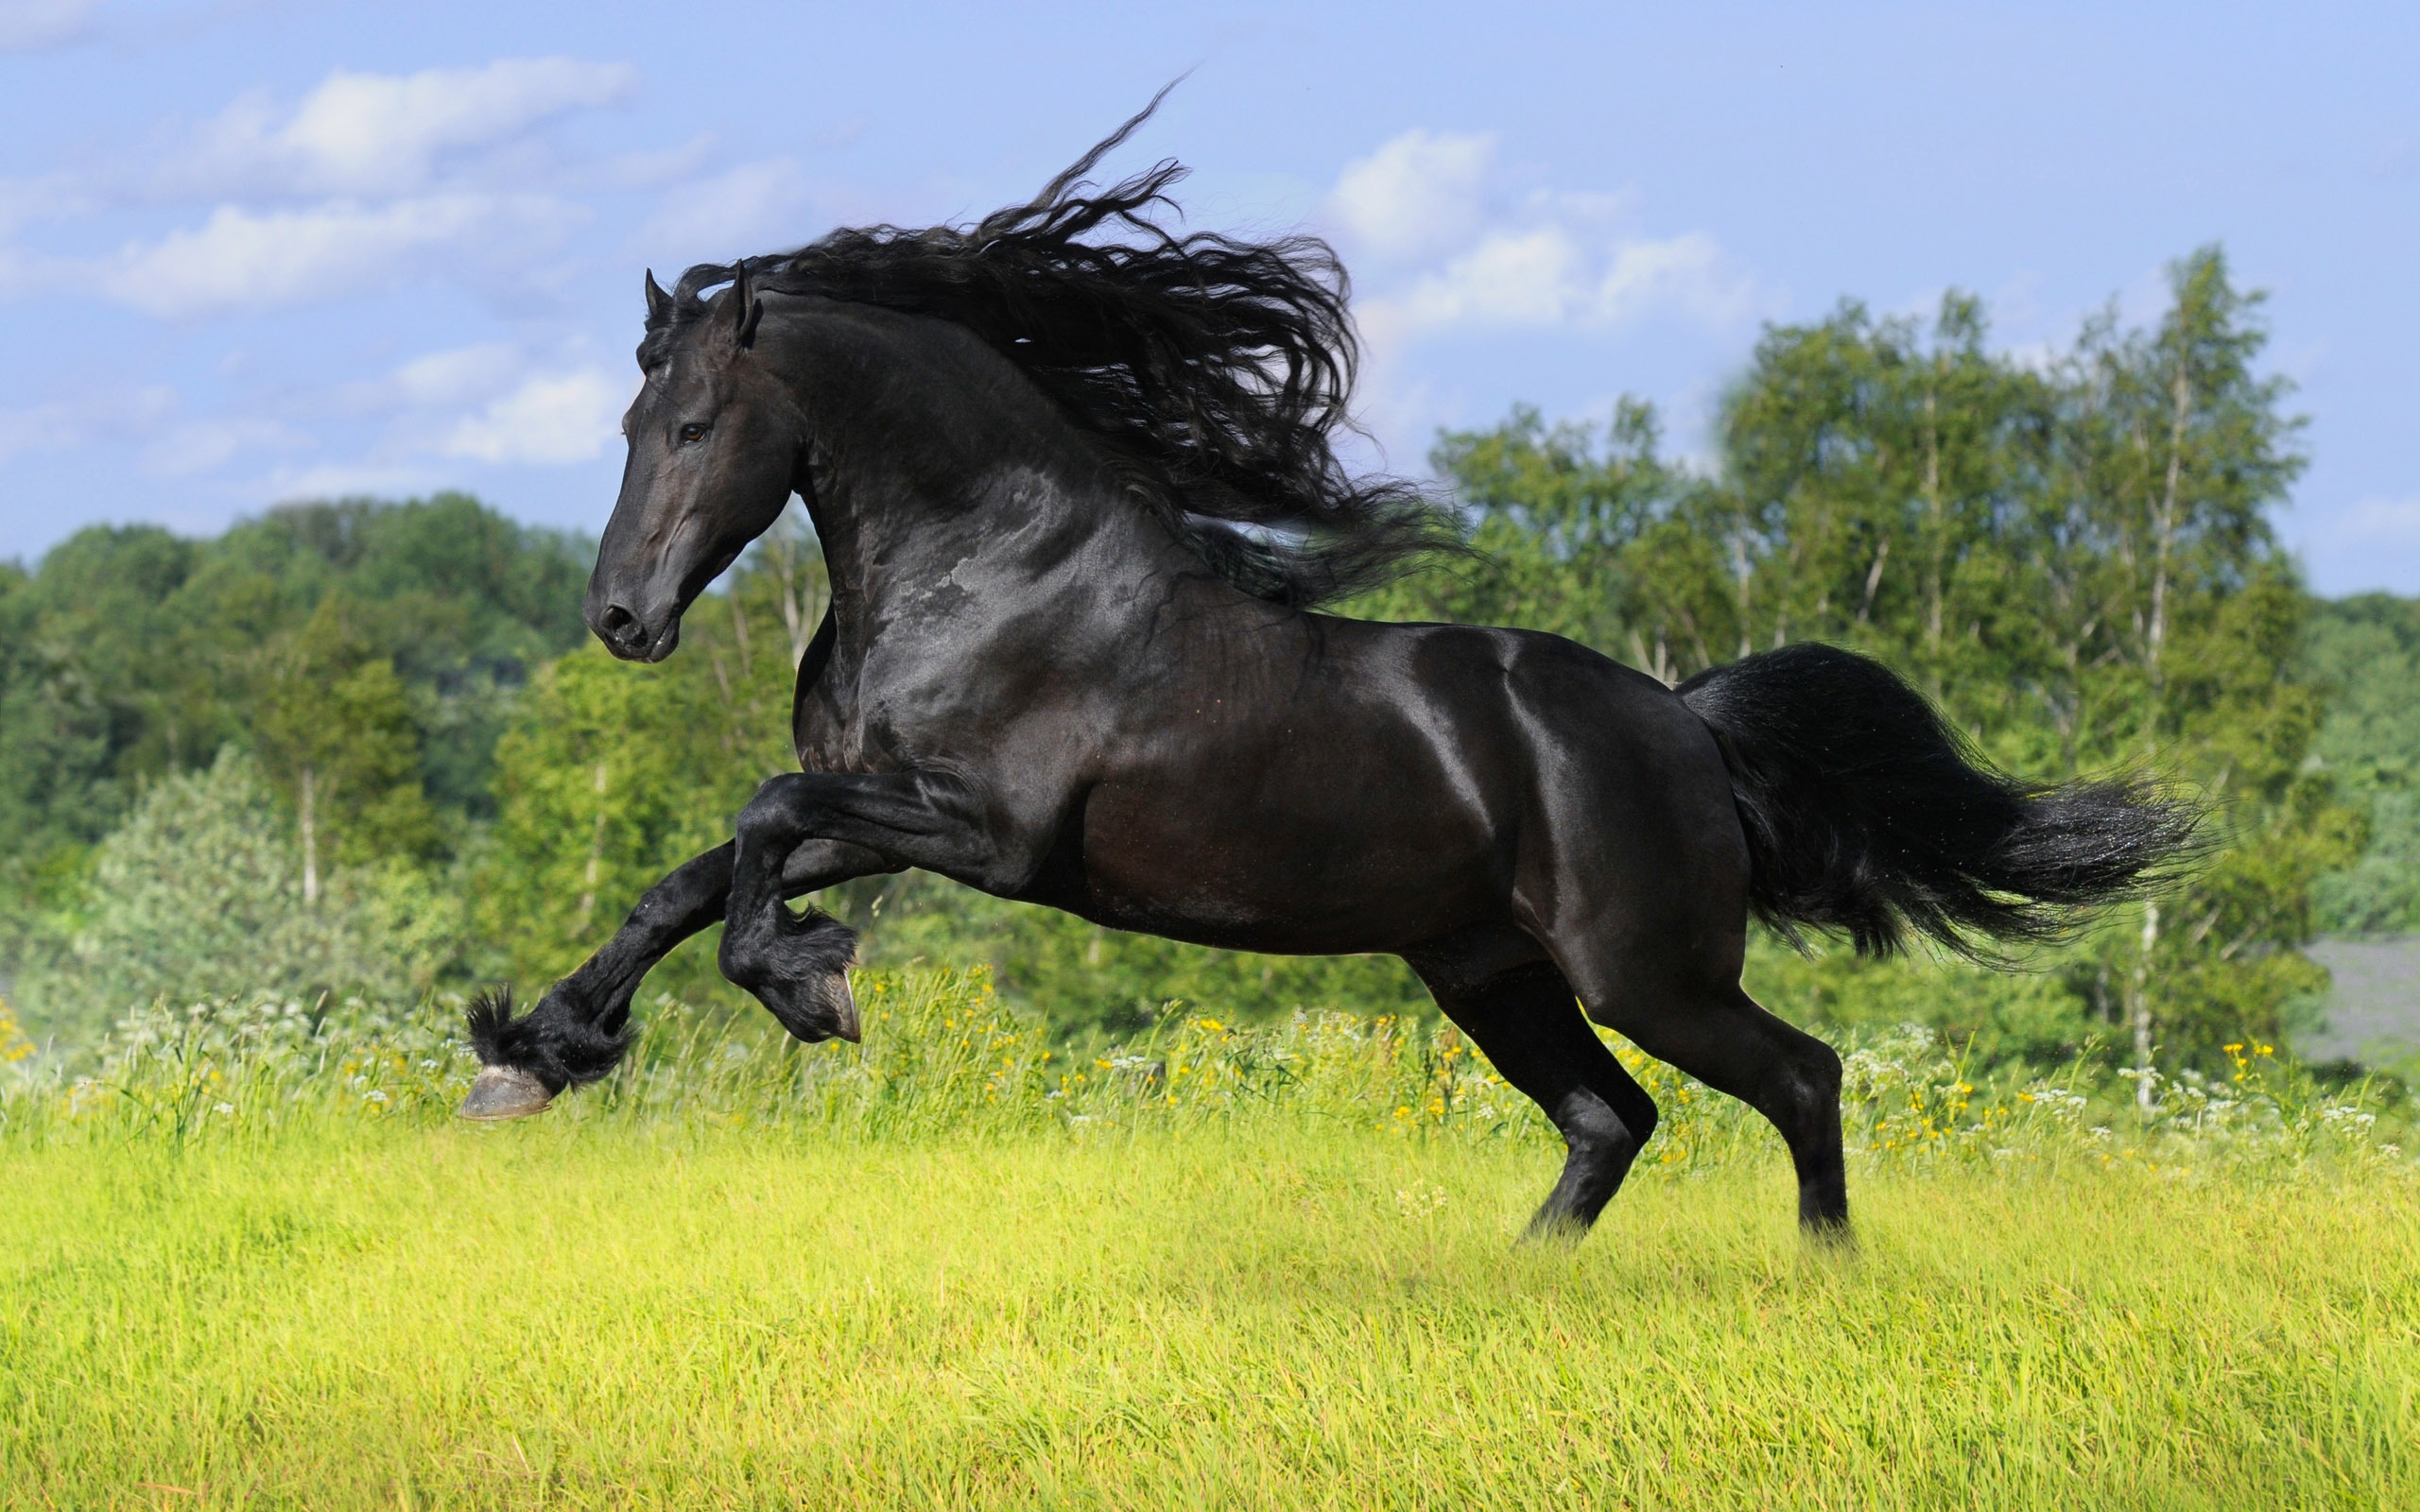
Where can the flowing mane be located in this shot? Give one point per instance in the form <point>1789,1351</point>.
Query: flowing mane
<point>1214,371</point>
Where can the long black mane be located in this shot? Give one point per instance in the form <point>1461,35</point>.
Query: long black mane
<point>1214,371</point>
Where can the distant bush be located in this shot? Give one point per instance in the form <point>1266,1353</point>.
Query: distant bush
<point>198,896</point>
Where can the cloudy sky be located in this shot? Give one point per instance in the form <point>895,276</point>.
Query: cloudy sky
<point>253,252</point>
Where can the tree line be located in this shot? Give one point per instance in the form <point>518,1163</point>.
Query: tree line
<point>437,780</point>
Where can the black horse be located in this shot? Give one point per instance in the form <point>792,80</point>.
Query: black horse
<point>1073,479</point>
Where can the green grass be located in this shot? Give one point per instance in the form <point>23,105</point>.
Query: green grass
<point>590,1314</point>
<point>322,1301</point>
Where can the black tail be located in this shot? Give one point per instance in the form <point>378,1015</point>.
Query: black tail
<point>1864,813</point>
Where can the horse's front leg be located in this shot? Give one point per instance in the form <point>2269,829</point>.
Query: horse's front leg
<point>578,1031</point>
<point>798,964</point>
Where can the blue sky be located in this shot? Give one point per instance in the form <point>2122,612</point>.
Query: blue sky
<point>257,251</point>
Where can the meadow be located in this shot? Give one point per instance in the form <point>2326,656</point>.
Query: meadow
<point>253,1262</point>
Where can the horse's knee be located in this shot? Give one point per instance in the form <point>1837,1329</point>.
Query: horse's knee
<point>771,817</point>
<point>1595,1129</point>
<point>1815,1074</point>
<point>1801,1097</point>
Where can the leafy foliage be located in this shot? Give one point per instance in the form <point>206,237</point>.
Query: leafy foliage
<point>2074,558</point>
<point>2365,653</point>
<point>611,775</point>
<point>197,896</point>
<point>379,645</point>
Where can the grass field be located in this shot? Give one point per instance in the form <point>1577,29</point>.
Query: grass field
<point>342,1301</point>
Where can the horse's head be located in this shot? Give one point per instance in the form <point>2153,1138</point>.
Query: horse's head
<point>714,441</point>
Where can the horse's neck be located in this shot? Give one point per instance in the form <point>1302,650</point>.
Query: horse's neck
<point>966,566</point>
<point>951,499</point>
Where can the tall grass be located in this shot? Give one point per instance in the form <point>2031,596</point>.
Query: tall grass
<point>945,1056</point>
<point>252,1261</point>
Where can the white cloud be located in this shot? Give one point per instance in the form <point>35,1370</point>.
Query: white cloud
<point>465,375</point>
<point>2370,544</point>
<point>252,260</point>
<point>2374,522</point>
<point>51,197</point>
<point>551,419</point>
<point>381,134</point>
<point>491,403</point>
<point>205,445</point>
<point>1550,258</point>
<point>41,427</point>
<point>756,207</point>
<point>1547,276</point>
<point>1419,193</point>
<point>26,25</point>
<point>93,414</point>
<point>1511,278</point>
<point>1683,275</point>
<point>330,480</point>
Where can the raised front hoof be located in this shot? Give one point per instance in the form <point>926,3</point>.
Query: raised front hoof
<point>814,1010</point>
<point>500,1092</point>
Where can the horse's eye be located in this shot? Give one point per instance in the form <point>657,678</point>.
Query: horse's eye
<point>694,431</point>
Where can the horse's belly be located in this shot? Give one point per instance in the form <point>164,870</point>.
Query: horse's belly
<point>1339,878</point>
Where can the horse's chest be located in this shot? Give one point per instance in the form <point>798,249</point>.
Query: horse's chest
<point>840,725</point>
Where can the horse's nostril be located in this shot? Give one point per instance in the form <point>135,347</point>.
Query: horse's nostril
<point>617,622</point>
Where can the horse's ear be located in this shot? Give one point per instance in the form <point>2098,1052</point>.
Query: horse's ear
<point>659,304</point>
<point>747,309</point>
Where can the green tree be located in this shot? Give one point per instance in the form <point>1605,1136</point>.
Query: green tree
<point>2366,651</point>
<point>2172,450</point>
<point>612,774</point>
<point>337,729</point>
<point>2074,560</point>
<point>1552,511</point>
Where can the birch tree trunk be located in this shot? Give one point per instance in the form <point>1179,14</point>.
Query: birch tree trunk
<point>309,807</point>
<point>595,850</point>
<point>2155,641</point>
<point>1939,528</point>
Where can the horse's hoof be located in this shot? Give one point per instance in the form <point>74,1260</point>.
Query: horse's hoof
<point>845,1010</point>
<point>500,1092</point>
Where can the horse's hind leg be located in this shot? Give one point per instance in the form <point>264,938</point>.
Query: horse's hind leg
<point>1725,1040</point>
<point>1526,1022</point>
